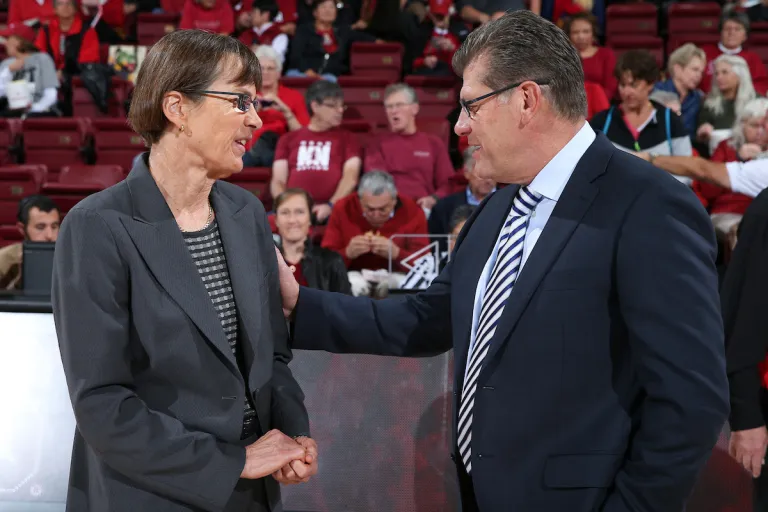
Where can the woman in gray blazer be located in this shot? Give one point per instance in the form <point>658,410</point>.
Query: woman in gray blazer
<point>168,309</point>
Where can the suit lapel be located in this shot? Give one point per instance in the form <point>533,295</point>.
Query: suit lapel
<point>574,202</point>
<point>157,237</point>
<point>480,242</point>
<point>239,235</point>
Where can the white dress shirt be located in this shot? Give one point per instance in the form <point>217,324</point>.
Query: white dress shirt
<point>550,183</point>
<point>748,178</point>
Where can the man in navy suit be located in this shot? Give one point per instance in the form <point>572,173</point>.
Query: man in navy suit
<point>581,302</point>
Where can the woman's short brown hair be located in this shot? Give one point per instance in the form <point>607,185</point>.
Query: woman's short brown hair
<point>293,192</point>
<point>583,16</point>
<point>186,61</point>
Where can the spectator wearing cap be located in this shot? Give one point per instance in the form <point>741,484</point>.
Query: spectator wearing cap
<point>264,30</point>
<point>38,221</point>
<point>483,11</point>
<point>686,68</point>
<point>438,40</point>
<point>30,12</point>
<point>282,110</point>
<point>211,15</point>
<point>598,62</point>
<point>320,158</point>
<point>321,48</point>
<point>734,30</point>
<point>417,160</point>
<point>26,65</point>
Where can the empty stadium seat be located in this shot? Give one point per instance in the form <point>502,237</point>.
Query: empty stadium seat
<point>83,105</point>
<point>701,40</point>
<point>653,44</point>
<point>758,43</point>
<point>77,182</point>
<point>636,19</point>
<point>693,17</point>
<point>152,27</point>
<point>9,140</point>
<point>438,96</point>
<point>17,182</point>
<point>361,128</point>
<point>53,142</point>
<point>10,235</point>
<point>115,143</point>
<point>255,180</point>
<point>364,97</point>
<point>299,83</point>
<point>379,60</point>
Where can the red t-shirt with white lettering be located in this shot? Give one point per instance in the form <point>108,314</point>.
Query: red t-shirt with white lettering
<point>220,19</point>
<point>316,159</point>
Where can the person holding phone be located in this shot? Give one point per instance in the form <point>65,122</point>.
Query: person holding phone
<point>282,110</point>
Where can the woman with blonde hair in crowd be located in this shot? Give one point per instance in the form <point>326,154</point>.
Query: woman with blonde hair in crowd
<point>731,90</point>
<point>726,208</point>
<point>685,69</point>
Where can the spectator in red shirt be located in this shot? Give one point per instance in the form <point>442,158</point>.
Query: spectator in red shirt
<point>282,110</point>
<point>211,15</point>
<point>322,159</point>
<point>598,62</point>
<point>360,230</point>
<point>726,208</point>
<point>439,39</point>
<point>30,12</point>
<point>597,101</point>
<point>418,161</point>
<point>264,30</point>
<point>734,30</point>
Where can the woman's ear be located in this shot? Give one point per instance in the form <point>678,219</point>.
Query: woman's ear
<point>174,108</point>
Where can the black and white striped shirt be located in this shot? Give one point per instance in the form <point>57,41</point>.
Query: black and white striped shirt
<point>208,253</point>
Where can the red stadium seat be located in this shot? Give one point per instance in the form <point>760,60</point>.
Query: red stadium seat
<point>17,182</point>
<point>9,140</point>
<point>364,97</point>
<point>115,142</point>
<point>635,19</point>
<point>655,45</point>
<point>439,127</point>
<point>79,181</point>
<point>10,235</point>
<point>299,83</point>
<point>380,60</point>
<point>255,180</point>
<point>152,27</point>
<point>83,105</point>
<point>438,96</point>
<point>54,142</point>
<point>701,40</point>
<point>361,128</point>
<point>693,17</point>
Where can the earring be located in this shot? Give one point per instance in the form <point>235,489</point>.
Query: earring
<point>181,129</point>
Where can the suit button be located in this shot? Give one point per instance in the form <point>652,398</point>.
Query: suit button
<point>479,455</point>
<point>256,391</point>
<point>453,457</point>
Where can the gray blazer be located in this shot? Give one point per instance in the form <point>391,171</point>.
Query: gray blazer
<point>155,388</point>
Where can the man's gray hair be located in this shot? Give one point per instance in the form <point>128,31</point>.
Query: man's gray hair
<point>401,87</point>
<point>377,183</point>
<point>469,160</point>
<point>522,46</point>
<point>755,109</point>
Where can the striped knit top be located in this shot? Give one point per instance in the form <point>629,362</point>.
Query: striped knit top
<point>208,253</point>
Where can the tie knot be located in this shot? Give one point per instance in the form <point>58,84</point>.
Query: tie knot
<point>525,201</point>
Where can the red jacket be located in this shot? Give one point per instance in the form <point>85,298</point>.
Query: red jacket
<point>274,121</point>
<point>89,46</point>
<point>442,55</point>
<point>718,199</point>
<point>597,101</point>
<point>755,63</point>
<point>250,37</point>
<point>347,221</point>
<point>22,10</point>
<point>220,19</point>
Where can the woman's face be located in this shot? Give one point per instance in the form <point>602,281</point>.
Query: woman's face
<point>581,34</point>
<point>690,75</point>
<point>733,34</point>
<point>633,93</point>
<point>216,130</point>
<point>326,12</point>
<point>12,45</point>
<point>725,78</point>
<point>754,130</point>
<point>65,9</point>
<point>293,220</point>
<point>270,73</point>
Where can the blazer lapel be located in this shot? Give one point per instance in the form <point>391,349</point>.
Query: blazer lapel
<point>239,235</point>
<point>480,243</point>
<point>574,202</point>
<point>157,237</point>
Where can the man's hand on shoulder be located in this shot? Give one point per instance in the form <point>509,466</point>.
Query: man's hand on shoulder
<point>299,471</point>
<point>289,288</point>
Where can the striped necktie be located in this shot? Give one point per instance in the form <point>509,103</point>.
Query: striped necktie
<point>497,290</point>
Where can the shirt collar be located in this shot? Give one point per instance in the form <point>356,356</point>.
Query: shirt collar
<point>551,180</point>
<point>260,30</point>
<point>726,51</point>
<point>472,200</point>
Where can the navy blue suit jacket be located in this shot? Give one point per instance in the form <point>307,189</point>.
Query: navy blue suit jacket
<point>605,385</point>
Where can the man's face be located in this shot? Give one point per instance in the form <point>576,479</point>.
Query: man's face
<point>42,226</point>
<point>401,112</point>
<point>377,209</point>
